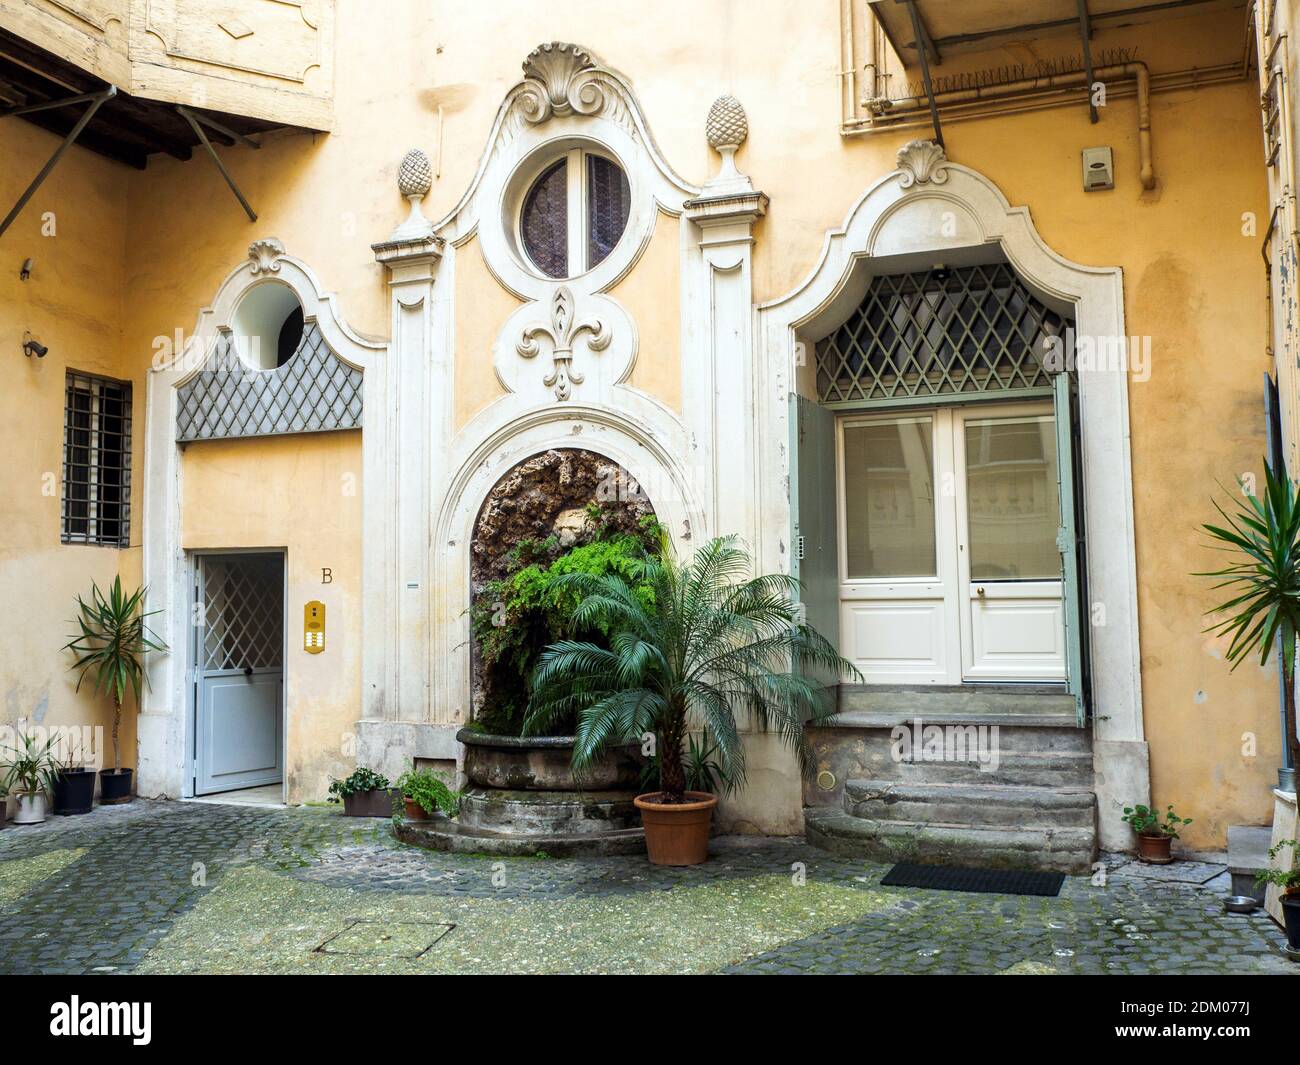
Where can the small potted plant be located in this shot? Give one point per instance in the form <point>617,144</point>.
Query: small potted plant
<point>1154,836</point>
<point>365,793</point>
<point>1288,880</point>
<point>74,785</point>
<point>31,775</point>
<point>424,795</point>
<point>112,645</point>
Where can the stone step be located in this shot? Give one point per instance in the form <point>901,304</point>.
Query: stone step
<point>971,805</point>
<point>879,734</point>
<point>444,835</point>
<point>1065,850</point>
<point>1061,769</point>
<point>1022,705</point>
<point>548,813</point>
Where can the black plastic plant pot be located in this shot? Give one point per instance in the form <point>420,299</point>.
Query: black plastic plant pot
<point>74,791</point>
<point>1291,918</point>
<point>114,786</point>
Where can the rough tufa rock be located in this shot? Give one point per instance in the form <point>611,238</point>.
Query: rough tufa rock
<point>415,175</point>
<point>726,125</point>
<point>545,496</point>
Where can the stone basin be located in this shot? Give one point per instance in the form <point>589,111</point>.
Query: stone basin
<point>544,763</point>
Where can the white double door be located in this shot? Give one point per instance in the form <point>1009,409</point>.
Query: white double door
<point>949,564</point>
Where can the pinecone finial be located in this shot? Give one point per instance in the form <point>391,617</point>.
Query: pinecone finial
<point>415,175</point>
<point>727,126</point>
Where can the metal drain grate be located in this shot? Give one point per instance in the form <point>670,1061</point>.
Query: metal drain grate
<point>363,938</point>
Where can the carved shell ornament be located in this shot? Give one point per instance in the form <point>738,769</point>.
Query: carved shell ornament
<point>556,82</point>
<point>265,255</point>
<point>922,163</point>
<point>562,332</point>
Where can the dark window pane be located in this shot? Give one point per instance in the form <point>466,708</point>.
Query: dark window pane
<point>608,201</point>
<point>544,224</point>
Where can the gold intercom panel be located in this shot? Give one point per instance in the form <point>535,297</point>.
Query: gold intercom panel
<point>313,627</point>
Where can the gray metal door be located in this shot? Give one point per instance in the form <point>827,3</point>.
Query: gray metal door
<point>238,730</point>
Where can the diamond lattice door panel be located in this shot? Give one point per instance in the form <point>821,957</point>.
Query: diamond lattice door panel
<point>939,333</point>
<point>243,612</point>
<point>314,391</point>
<point>238,717</point>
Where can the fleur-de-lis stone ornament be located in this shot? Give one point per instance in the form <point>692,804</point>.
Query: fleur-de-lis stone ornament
<point>563,330</point>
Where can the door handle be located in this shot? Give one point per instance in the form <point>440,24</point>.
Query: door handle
<point>980,591</point>
<point>248,670</point>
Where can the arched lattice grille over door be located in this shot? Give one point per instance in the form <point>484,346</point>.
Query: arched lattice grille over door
<point>939,334</point>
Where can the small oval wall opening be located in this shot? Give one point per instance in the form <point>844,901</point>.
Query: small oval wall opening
<point>268,325</point>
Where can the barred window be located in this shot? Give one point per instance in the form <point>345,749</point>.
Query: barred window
<point>96,461</point>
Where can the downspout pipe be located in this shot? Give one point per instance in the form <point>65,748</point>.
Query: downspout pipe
<point>1138,72</point>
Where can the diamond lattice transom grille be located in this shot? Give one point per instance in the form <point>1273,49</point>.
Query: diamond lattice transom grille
<point>243,612</point>
<point>312,392</point>
<point>974,329</point>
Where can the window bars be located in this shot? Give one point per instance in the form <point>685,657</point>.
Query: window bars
<point>941,333</point>
<point>96,498</point>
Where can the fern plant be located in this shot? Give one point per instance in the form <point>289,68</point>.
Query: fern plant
<point>1263,607</point>
<point>709,642</point>
<point>111,646</point>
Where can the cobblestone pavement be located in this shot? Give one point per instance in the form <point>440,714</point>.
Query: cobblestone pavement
<point>186,887</point>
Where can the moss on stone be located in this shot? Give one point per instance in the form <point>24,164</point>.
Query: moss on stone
<point>18,876</point>
<point>259,922</point>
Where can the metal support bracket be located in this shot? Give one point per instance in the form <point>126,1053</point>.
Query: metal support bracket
<point>1085,31</point>
<point>197,122</point>
<point>94,100</point>
<point>925,48</point>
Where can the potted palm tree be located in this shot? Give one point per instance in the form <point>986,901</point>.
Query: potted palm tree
<point>1263,607</point>
<point>113,641</point>
<point>697,640</point>
<point>31,776</point>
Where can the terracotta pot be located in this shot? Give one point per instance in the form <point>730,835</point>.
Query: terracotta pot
<point>677,833</point>
<point>414,811</point>
<point>1155,849</point>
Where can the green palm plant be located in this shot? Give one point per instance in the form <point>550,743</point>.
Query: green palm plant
<point>111,645</point>
<point>1264,603</point>
<point>707,641</point>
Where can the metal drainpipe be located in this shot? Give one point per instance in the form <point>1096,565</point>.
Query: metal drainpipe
<point>1119,71</point>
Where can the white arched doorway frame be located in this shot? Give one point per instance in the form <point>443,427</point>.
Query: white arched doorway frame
<point>163,721</point>
<point>640,434</point>
<point>935,211</point>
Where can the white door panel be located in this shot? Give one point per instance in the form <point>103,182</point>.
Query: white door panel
<point>1014,637</point>
<point>897,641</point>
<point>968,494</point>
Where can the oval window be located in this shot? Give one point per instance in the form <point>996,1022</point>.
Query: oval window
<point>574,214</point>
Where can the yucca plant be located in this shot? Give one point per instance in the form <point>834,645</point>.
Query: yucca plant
<point>113,641</point>
<point>1264,606</point>
<point>707,642</point>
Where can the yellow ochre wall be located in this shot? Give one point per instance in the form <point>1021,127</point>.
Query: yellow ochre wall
<point>302,495</point>
<point>428,73</point>
<point>74,230</point>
